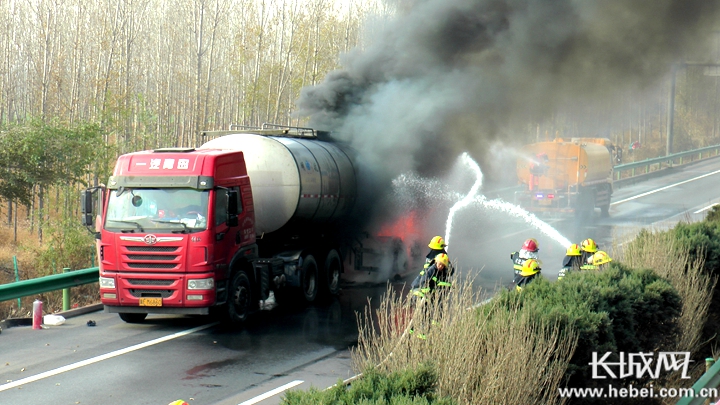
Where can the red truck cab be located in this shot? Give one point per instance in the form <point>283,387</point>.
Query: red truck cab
<point>171,221</point>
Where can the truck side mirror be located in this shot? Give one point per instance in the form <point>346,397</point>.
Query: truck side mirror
<point>232,207</point>
<point>86,207</point>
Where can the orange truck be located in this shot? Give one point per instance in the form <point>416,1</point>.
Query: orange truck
<point>569,176</point>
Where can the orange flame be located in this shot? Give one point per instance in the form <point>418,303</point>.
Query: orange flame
<point>406,228</point>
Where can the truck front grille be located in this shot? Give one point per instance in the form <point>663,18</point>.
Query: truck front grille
<point>151,265</point>
<point>151,257</point>
<point>164,249</point>
<point>139,281</point>
<point>150,293</point>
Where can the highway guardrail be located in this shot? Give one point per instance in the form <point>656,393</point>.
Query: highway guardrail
<point>709,381</point>
<point>668,160</point>
<point>54,282</point>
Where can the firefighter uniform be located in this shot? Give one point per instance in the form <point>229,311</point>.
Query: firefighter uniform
<point>572,260</point>
<point>530,270</point>
<point>529,250</point>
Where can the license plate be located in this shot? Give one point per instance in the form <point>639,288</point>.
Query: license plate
<point>545,202</point>
<point>150,302</point>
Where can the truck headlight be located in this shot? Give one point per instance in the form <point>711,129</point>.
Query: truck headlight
<point>201,284</point>
<point>106,282</point>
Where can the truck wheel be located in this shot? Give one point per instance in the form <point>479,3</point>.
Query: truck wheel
<point>309,278</point>
<point>132,317</point>
<point>331,273</point>
<point>240,297</point>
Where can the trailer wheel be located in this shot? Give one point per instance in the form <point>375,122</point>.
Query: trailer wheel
<point>132,317</point>
<point>240,297</point>
<point>331,273</point>
<point>309,278</point>
<point>605,210</point>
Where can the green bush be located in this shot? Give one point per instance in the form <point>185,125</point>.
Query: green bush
<point>702,239</point>
<point>407,387</point>
<point>69,245</point>
<point>714,214</point>
<point>615,310</point>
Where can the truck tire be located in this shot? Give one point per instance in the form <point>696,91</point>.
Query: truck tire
<point>309,278</point>
<point>132,317</point>
<point>331,273</point>
<point>239,297</point>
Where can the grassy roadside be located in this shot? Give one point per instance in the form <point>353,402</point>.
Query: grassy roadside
<point>657,295</point>
<point>66,245</point>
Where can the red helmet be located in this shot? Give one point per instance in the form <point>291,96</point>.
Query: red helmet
<point>531,245</point>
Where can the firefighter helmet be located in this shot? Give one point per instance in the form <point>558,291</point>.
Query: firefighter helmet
<point>573,250</point>
<point>437,243</point>
<point>531,245</point>
<point>530,267</point>
<point>600,257</point>
<point>442,258</point>
<point>589,246</point>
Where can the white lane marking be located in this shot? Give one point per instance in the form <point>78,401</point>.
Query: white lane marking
<point>706,208</point>
<point>102,357</point>
<point>272,393</point>
<point>345,381</point>
<point>665,188</point>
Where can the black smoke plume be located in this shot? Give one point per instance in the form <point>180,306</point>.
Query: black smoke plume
<point>446,76</point>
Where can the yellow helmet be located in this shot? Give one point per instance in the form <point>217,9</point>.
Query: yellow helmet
<point>437,243</point>
<point>573,250</point>
<point>600,257</point>
<point>442,258</point>
<point>530,267</point>
<point>589,246</point>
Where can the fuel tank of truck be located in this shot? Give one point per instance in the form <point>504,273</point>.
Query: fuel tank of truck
<point>558,165</point>
<point>294,178</point>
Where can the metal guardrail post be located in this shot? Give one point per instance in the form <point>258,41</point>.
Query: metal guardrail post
<point>66,293</point>
<point>711,379</point>
<point>17,279</point>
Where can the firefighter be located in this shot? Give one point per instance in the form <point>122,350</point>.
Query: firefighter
<point>572,260</point>
<point>598,261</point>
<point>588,248</point>
<point>437,275</point>
<point>529,250</point>
<point>437,245</point>
<point>530,269</point>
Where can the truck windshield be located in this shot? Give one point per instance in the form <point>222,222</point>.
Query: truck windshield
<point>179,210</point>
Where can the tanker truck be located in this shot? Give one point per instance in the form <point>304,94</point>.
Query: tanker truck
<point>567,176</point>
<point>221,227</point>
